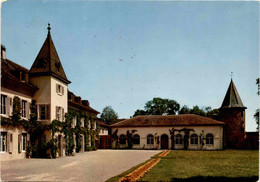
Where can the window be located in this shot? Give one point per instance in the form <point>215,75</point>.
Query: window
<point>59,89</point>
<point>3,104</point>
<point>3,141</point>
<point>150,139</point>
<point>24,136</point>
<point>194,139</point>
<point>136,139</point>
<point>58,113</point>
<point>23,108</point>
<point>44,112</point>
<point>179,139</point>
<point>122,139</point>
<point>209,139</point>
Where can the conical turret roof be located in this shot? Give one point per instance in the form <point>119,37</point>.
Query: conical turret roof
<point>232,98</point>
<point>47,62</point>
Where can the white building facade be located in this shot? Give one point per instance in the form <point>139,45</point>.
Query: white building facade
<point>187,131</point>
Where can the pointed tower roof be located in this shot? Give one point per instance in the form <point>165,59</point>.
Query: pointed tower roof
<point>232,98</point>
<point>47,62</point>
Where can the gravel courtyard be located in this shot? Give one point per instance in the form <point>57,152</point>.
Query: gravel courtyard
<point>89,166</point>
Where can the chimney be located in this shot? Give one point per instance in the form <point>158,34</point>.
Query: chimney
<point>85,103</point>
<point>3,52</point>
<point>26,77</point>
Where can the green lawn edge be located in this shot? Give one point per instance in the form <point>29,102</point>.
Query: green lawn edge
<point>176,167</point>
<point>118,177</point>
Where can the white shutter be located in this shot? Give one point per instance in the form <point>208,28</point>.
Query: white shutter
<point>7,141</point>
<point>27,109</point>
<point>10,145</point>
<point>57,112</point>
<point>57,88</point>
<point>19,143</point>
<point>8,106</point>
<point>62,114</point>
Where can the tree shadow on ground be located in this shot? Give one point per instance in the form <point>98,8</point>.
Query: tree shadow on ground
<point>216,179</point>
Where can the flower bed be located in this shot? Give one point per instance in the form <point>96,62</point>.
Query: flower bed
<point>164,153</point>
<point>139,172</point>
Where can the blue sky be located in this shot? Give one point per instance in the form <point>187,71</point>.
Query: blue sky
<point>123,54</point>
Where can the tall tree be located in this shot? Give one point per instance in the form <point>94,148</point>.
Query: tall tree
<point>197,110</point>
<point>184,110</point>
<point>139,112</point>
<point>109,115</point>
<point>159,106</point>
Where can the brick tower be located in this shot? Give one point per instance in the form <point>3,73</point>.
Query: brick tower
<point>232,113</point>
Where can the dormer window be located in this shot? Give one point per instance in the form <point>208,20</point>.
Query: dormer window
<point>59,89</point>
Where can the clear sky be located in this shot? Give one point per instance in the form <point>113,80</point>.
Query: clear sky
<point>123,54</point>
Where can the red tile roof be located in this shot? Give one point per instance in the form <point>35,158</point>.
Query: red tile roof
<point>101,123</point>
<point>167,120</point>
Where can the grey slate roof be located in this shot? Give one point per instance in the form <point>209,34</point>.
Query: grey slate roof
<point>232,98</point>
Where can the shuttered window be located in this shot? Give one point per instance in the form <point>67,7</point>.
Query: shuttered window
<point>60,115</point>
<point>44,112</point>
<point>59,89</point>
<point>24,103</point>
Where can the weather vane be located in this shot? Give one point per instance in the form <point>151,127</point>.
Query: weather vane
<point>49,28</point>
<point>231,74</point>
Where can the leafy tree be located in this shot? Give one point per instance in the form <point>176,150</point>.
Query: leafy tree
<point>139,112</point>
<point>159,106</point>
<point>109,115</point>
<point>198,111</point>
<point>214,114</point>
<point>184,110</point>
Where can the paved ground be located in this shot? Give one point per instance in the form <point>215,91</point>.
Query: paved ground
<point>89,166</point>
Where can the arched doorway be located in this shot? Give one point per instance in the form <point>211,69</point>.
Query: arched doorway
<point>164,141</point>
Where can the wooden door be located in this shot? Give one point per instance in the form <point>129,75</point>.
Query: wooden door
<point>164,141</point>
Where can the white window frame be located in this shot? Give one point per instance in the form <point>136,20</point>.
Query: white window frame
<point>60,89</point>
<point>23,110</point>
<point>179,140</point>
<point>193,139</point>
<point>150,139</point>
<point>210,139</point>
<point>46,115</point>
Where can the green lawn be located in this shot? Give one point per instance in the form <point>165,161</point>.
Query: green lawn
<point>226,165</point>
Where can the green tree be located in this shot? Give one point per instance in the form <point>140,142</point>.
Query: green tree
<point>184,110</point>
<point>198,111</point>
<point>109,115</point>
<point>159,106</point>
<point>139,112</point>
